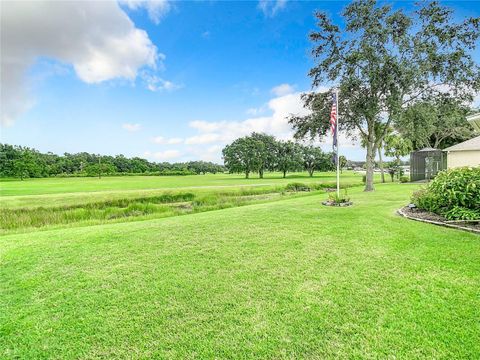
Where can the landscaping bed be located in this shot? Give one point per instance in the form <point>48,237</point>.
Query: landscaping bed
<point>430,217</point>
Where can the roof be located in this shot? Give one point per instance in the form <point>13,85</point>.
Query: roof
<point>472,144</point>
<point>474,120</point>
<point>427,149</point>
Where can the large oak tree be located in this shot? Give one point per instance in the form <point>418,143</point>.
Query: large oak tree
<point>245,155</point>
<point>383,60</point>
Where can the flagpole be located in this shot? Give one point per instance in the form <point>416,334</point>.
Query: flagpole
<point>336,138</point>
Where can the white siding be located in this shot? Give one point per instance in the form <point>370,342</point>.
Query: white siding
<point>463,158</point>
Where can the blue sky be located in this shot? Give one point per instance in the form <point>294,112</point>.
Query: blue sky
<point>164,81</point>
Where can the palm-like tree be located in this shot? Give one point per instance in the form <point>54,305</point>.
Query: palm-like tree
<point>397,146</point>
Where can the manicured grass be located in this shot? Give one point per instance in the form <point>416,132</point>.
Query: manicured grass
<point>286,279</point>
<point>124,183</point>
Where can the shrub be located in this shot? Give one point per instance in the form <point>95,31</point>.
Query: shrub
<point>461,213</point>
<point>424,199</point>
<point>451,189</point>
<point>404,179</point>
<point>297,187</point>
<point>364,179</point>
<point>338,199</point>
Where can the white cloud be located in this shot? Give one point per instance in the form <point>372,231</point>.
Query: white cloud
<point>164,141</point>
<point>163,155</point>
<point>206,34</point>
<point>213,149</point>
<point>96,37</point>
<point>156,9</point>
<point>216,134</point>
<point>156,83</point>
<point>271,7</point>
<point>282,89</point>
<point>275,124</point>
<point>174,141</point>
<point>131,127</point>
<point>256,111</point>
<point>209,137</point>
<point>252,111</point>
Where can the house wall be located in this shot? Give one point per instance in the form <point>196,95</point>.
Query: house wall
<point>463,158</point>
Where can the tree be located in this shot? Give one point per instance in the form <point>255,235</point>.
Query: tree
<point>342,162</point>
<point>393,168</point>
<point>18,161</point>
<point>289,157</point>
<point>22,163</point>
<point>439,123</point>
<point>379,128</point>
<point>397,146</point>
<point>243,155</point>
<point>380,162</point>
<point>99,169</point>
<point>122,164</point>
<point>266,154</point>
<point>382,61</point>
<point>313,158</point>
<point>8,155</point>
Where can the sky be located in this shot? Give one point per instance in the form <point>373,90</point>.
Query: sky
<point>162,80</point>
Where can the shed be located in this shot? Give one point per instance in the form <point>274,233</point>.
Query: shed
<point>466,153</point>
<point>426,163</point>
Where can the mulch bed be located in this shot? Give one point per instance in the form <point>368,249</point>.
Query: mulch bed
<point>332,203</point>
<point>432,218</point>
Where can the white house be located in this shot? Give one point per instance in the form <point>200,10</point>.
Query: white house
<point>466,153</point>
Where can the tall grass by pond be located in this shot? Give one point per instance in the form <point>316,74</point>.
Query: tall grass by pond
<point>124,209</point>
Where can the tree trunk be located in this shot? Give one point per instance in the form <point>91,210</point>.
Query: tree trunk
<point>284,174</point>
<point>310,172</point>
<point>380,163</point>
<point>398,168</point>
<point>260,173</point>
<point>370,161</point>
<point>247,173</point>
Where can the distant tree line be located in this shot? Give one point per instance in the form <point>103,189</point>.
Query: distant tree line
<point>260,152</point>
<point>24,162</point>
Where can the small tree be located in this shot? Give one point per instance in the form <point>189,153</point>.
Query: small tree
<point>393,168</point>
<point>289,157</point>
<point>313,158</point>
<point>397,146</point>
<point>342,162</point>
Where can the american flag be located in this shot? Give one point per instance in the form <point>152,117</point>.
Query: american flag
<point>333,121</point>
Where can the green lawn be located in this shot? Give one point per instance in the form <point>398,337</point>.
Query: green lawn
<point>125,183</point>
<point>284,279</point>
<point>72,191</point>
